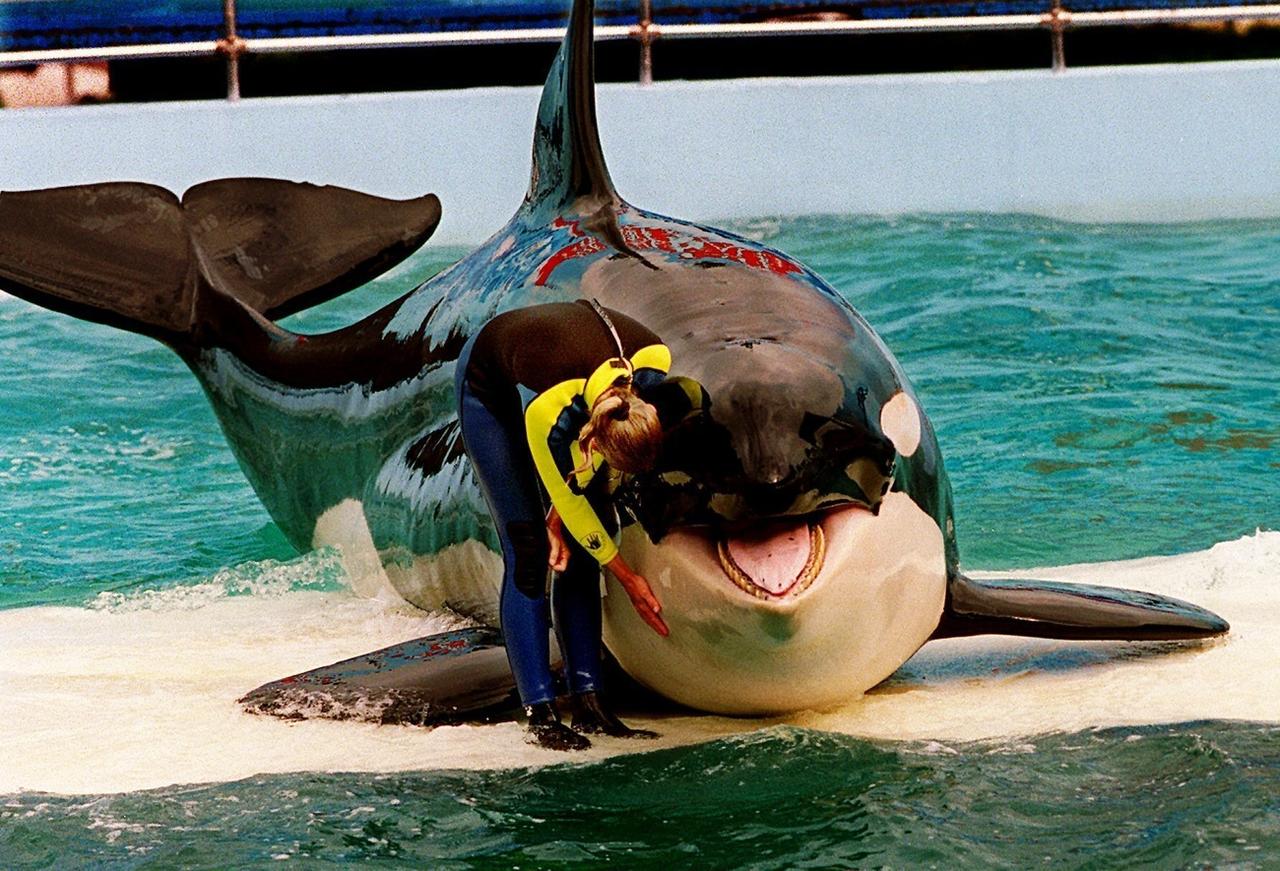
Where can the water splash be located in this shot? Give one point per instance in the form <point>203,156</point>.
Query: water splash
<point>319,570</point>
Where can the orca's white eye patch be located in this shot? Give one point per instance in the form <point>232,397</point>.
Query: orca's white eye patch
<point>900,423</point>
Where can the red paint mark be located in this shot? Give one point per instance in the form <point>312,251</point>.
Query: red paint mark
<point>639,238</point>
<point>441,647</point>
<point>581,248</point>
<point>649,239</point>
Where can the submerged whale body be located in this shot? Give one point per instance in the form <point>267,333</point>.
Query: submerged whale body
<point>798,529</point>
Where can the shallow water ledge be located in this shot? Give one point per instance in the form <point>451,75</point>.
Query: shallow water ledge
<point>138,692</point>
<point>1135,143</point>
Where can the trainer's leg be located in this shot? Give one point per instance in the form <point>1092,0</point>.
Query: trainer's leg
<point>504,469</point>
<point>507,480</point>
<point>575,601</point>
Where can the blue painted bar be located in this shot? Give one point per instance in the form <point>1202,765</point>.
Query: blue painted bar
<point>1134,143</point>
<point>38,24</point>
<point>51,24</point>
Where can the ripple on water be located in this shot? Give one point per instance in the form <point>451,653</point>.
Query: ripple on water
<point>1163,796</point>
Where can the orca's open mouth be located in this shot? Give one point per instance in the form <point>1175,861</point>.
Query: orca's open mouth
<point>775,559</point>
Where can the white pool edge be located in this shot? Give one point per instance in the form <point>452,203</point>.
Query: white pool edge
<point>1173,142</point>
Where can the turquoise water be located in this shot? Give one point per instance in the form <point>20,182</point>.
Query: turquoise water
<point>1100,392</point>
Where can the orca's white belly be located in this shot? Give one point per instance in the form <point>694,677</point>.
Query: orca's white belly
<point>465,578</point>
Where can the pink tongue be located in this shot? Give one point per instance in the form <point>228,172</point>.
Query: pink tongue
<point>772,556</point>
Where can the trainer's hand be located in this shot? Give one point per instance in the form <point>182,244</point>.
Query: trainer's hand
<point>642,597</point>
<point>558,554</point>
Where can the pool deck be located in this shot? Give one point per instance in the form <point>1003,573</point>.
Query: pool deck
<point>1137,143</point>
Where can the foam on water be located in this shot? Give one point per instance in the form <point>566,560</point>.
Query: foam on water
<point>139,690</point>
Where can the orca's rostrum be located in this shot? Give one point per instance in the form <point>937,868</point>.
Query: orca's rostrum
<point>798,530</point>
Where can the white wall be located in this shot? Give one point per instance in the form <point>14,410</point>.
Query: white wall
<point>1124,143</point>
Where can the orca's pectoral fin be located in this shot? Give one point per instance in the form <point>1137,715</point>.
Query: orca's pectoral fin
<point>446,678</point>
<point>1049,609</point>
<point>281,246</point>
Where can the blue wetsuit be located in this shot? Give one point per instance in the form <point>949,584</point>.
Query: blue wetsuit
<point>525,384</point>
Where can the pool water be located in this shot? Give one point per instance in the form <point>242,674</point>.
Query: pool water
<point>1100,392</point>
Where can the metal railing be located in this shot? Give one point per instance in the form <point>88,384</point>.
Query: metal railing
<point>1056,20</point>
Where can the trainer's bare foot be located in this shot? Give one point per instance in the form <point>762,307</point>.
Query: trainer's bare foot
<point>546,730</point>
<point>593,718</point>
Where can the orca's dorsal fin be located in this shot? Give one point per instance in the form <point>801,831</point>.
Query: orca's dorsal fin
<point>568,163</point>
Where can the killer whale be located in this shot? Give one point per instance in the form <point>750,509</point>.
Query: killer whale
<point>813,436</point>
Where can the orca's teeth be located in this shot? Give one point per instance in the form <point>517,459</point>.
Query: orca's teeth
<point>743,580</point>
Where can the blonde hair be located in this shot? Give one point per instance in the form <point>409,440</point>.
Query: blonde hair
<point>624,428</point>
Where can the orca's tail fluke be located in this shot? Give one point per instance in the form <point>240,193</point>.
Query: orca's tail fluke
<point>137,257</point>
<point>1050,609</point>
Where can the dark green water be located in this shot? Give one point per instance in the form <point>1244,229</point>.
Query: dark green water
<point>1100,392</point>
<point>1195,795</point>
